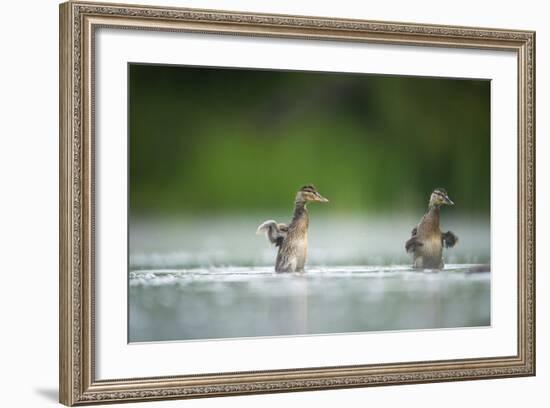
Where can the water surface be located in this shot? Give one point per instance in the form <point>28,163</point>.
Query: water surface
<point>215,279</point>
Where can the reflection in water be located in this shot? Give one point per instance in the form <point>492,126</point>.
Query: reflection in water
<point>184,283</point>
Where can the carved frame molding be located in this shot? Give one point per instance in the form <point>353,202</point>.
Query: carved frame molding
<point>78,22</point>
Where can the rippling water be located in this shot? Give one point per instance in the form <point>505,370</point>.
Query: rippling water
<point>215,279</point>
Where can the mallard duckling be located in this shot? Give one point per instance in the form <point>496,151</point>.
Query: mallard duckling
<point>427,241</point>
<point>291,239</point>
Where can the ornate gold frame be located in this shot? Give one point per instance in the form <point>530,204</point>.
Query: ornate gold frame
<point>78,22</point>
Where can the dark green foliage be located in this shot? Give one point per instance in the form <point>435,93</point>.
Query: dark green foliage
<point>232,140</point>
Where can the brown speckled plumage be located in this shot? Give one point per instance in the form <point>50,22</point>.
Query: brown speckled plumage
<point>427,241</point>
<point>292,239</point>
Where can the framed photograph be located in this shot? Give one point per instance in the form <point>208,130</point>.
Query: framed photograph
<point>256,203</point>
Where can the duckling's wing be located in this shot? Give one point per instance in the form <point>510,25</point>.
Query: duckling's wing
<point>449,239</point>
<point>413,242</point>
<point>276,233</point>
<point>282,231</point>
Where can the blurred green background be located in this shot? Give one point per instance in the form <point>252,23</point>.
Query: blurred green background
<point>231,140</point>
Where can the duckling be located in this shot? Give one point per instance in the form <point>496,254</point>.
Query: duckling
<point>427,241</point>
<point>291,239</point>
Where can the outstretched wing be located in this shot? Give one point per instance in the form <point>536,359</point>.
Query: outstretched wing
<point>413,242</point>
<point>276,233</point>
<point>449,239</point>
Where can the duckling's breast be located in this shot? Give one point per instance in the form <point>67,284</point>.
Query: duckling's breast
<point>293,253</point>
<point>301,252</point>
<point>430,253</point>
<point>432,246</point>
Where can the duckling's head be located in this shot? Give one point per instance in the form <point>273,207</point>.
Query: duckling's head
<point>309,193</point>
<point>439,197</point>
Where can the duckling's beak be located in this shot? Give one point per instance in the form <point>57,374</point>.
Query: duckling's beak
<point>448,201</point>
<point>321,199</point>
